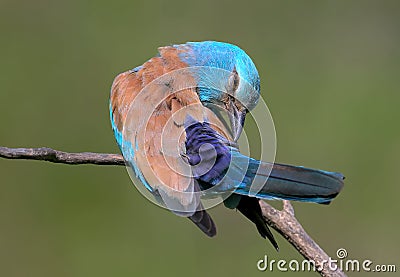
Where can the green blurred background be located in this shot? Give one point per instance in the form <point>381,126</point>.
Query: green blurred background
<point>329,73</point>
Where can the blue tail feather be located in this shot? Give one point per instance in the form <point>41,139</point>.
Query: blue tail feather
<point>280,181</point>
<point>229,170</point>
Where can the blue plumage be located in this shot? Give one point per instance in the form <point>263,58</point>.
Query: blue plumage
<point>223,75</point>
<point>227,58</point>
<point>229,170</point>
<point>128,152</point>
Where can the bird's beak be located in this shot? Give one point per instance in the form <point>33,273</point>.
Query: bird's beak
<point>236,118</point>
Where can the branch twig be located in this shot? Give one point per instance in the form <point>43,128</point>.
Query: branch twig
<point>283,221</point>
<point>55,156</point>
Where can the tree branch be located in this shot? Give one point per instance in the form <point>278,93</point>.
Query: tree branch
<point>283,221</point>
<point>55,156</point>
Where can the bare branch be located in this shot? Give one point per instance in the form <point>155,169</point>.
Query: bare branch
<point>287,225</point>
<point>55,156</point>
<point>282,221</point>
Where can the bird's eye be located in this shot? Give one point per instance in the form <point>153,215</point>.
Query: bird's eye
<point>233,82</point>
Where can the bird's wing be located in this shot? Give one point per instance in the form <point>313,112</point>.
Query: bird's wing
<point>148,107</point>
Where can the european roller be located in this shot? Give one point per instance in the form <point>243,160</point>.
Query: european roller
<point>177,119</point>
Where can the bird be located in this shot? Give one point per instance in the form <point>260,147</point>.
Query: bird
<point>166,118</point>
